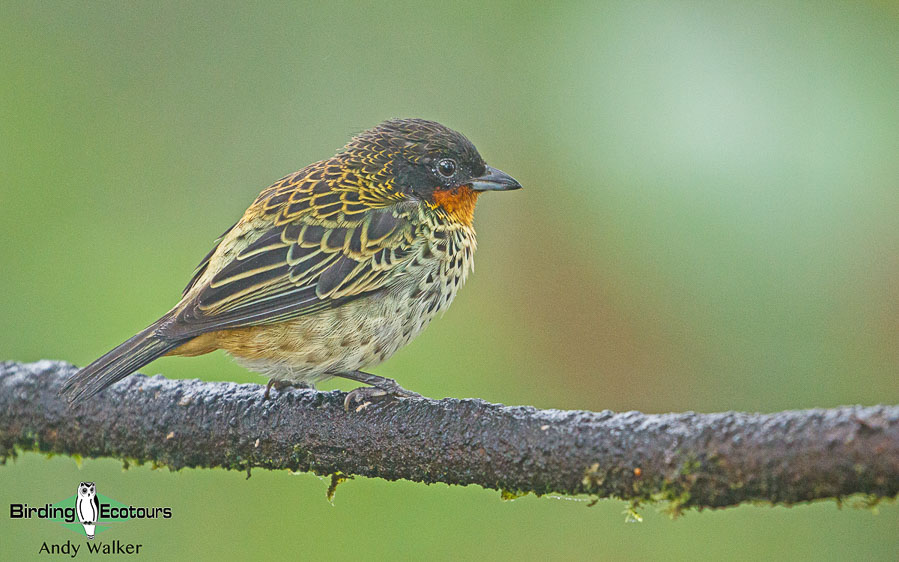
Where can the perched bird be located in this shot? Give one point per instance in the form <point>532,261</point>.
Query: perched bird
<point>332,268</point>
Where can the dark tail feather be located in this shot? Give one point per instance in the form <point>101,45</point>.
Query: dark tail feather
<point>117,364</point>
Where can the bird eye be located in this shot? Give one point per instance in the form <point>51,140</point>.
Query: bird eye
<point>446,167</point>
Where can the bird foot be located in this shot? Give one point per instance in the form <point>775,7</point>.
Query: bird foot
<point>282,385</point>
<point>362,397</point>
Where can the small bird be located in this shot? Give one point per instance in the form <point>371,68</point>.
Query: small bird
<point>332,269</point>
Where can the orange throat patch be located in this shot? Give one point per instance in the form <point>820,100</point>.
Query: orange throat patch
<point>458,203</point>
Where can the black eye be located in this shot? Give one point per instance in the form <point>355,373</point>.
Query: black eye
<point>446,167</point>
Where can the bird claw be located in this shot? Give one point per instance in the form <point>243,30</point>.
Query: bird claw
<point>281,386</point>
<point>362,397</point>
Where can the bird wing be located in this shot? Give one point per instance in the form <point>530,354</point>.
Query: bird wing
<point>204,263</point>
<point>322,245</point>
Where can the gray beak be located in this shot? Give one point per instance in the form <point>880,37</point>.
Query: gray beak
<point>494,180</point>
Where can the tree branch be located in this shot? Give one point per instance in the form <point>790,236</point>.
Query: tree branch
<point>691,460</point>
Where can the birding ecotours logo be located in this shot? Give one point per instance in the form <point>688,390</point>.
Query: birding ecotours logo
<point>87,506</point>
<point>87,512</point>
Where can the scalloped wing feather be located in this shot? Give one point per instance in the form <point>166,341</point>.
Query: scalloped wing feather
<point>326,244</point>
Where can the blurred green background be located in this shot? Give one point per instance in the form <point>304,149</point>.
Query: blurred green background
<point>710,221</point>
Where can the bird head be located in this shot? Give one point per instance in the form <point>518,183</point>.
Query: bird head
<point>424,161</point>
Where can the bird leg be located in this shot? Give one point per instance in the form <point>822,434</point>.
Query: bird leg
<point>381,387</point>
<point>280,385</point>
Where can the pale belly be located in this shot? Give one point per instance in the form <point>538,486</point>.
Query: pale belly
<point>353,336</point>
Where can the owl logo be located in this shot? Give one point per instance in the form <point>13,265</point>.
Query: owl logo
<point>87,507</point>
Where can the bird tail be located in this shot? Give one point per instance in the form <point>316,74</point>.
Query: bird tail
<point>118,363</point>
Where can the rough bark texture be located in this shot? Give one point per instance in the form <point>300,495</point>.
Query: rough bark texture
<point>689,459</point>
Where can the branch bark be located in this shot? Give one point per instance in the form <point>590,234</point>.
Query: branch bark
<point>689,459</point>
